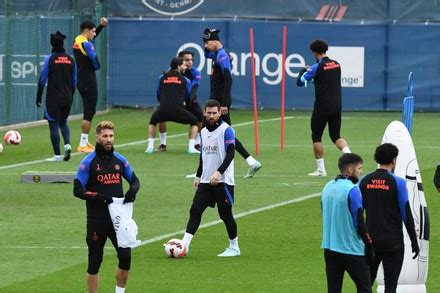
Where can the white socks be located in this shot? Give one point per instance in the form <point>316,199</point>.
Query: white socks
<point>163,138</point>
<point>320,164</point>
<point>84,140</point>
<point>233,243</point>
<point>119,289</point>
<point>187,239</point>
<point>151,142</point>
<point>191,143</point>
<point>250,161</point>
<point>346,150</point>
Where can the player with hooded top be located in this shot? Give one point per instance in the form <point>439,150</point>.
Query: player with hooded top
<point>220,88</point>
<point>59,72</point>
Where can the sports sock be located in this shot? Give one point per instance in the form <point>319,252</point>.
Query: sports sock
<point>187,239</point>
<point>191,143</point>
<point>320,164</point>
<point>250,161</point>
<point>346,150</point>
<point>84,140</point>
<point>163,138</point>
<point>233,243</point>
<point>151,142</point>
<point>119,289</point>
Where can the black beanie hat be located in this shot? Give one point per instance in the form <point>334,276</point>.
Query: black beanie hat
<point>211,34</point>
<point>175,63</point>
<point>57,39</point>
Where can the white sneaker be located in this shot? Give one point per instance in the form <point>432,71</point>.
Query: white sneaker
<point>149,150</point>
<point>230,252</point>
<point>318,173</point>
<point>191,175</point>
<point>56,158</point>
<point>193,150</point>
<point>67,151</point>
<point>253,169</point>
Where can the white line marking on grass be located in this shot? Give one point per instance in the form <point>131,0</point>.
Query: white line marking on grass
<point>166,236</point>
<point>142,142</point>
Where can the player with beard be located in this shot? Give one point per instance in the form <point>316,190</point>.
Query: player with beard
<point>214,182</point>
<point>98,180</point>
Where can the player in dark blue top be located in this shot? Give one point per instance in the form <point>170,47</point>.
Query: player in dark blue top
<point>437,178</point>
<point>220,88</point>
<point>173,94</point>
<point>385,199</point>
<point>193,105</point>
<point>326,75</point>
<point>87,62</point>
<point>59,71</point>
<point>98,180</point>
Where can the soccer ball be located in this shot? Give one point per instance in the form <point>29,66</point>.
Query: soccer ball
<point>175,248</point>
<point>12,137</point>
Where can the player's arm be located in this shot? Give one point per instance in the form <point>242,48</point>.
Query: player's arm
<point>357,214</point>
<point>130,177</point>
<point>158,88</point>
<point>90,50</point>
<point>80,182</point>
<point>230,150</point>
<point>437,178</point>
<point>103,23</point>
<point>197,76</point>
<point>406,214</point>
<point>74,76</point>
<point>43,79</point>
<point>225,64</point>
<point>187,91</point>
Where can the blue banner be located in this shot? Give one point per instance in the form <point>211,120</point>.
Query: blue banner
<point>375,59</point>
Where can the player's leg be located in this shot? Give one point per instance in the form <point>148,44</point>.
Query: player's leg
<point>334,129</point>
<point>65,132</point>
<point>154,120</point>
<point>52,115</point>
<point>90,99</point>
<point>392,265</point>
<point>124,264</point>
<point>334,268</point>
<point>225,198</point>
<point>359,271</point>
<point>203,198</point>
<point>375,266</point>
<point>197,111</point>
<point>184,116</point>
<point>252,163</point>
<point>96,238</point>
<point>163,137</point>
<point>317,126</point>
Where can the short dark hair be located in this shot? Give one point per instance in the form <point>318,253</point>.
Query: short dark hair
<point>319,46</point>
<point>185,52</point>
<point>87,25</point>
<point>212,103</point>
<point>386,153</point>
<point>346,160</point>
<point>175,63</point>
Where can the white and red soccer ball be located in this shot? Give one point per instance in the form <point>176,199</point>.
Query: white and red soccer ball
<point>12,137</point>
<point>175,248</point>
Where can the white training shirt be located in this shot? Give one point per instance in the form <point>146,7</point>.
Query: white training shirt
<point>214,145</point>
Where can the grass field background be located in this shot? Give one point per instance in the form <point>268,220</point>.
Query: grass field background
<point>43,225</point>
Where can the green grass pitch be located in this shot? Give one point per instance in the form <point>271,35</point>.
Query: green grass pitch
<point>42,240</point>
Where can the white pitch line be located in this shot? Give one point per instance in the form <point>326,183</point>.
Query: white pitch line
<point>166,236</point>
<point>142,142</point>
